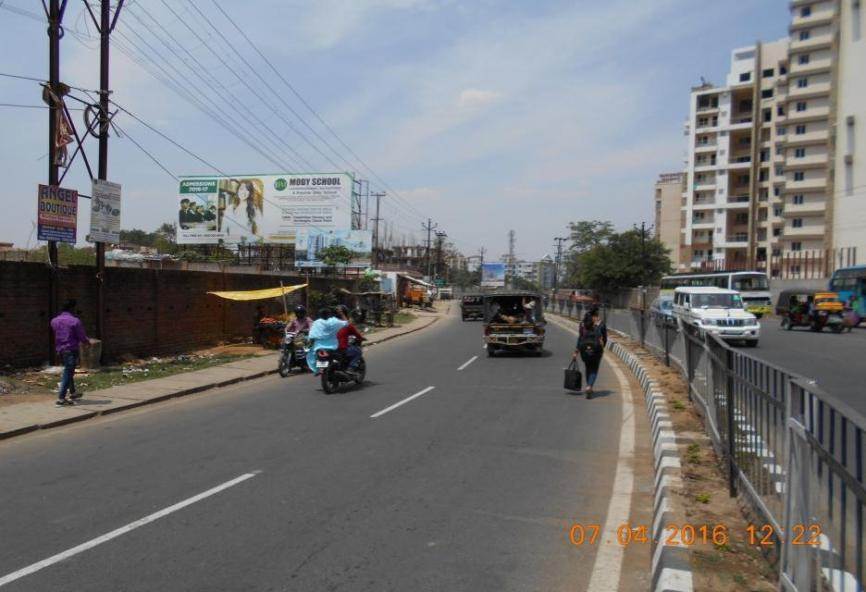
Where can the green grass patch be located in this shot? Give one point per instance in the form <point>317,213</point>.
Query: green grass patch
<point>693,453</point>
<point>703,498</point>
<point>678,405</point>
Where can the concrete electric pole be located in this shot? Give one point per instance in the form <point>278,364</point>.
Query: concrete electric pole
<point>429,227</point>
<point>557,261</point>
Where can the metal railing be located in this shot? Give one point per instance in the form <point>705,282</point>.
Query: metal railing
<point>791,452</point>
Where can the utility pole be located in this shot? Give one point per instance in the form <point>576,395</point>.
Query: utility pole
<point>375,254</point>
<point>510,268</point>
<point>105,26</point>
<point>557,261</point>
<point>429,227</point>
<point>440,237</point>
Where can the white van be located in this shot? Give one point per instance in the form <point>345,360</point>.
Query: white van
<point>717,311</point>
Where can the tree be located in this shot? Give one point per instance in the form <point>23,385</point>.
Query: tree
<point>625,260</point>
<point>585,235</point>
<point>335,254</point>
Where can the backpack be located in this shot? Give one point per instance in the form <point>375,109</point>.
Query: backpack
<point>589,342</point>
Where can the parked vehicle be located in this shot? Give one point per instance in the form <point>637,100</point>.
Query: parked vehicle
<point>816,310</point>
<point>662,310</point>
<point>293,353</point>
<point>716,311</point>
<point>472,307</point>
<point>514,321</point>
<point>446,293</point>
<point>334,370</point>
<point>753,286</point>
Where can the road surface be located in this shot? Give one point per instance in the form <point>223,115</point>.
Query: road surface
<point>272,485</point>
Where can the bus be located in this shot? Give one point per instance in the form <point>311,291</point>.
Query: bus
<point>850,282</point>
<point>753,286</point>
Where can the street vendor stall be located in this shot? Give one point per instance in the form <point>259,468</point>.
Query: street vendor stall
<point>267,330</point>
<point>376,308</point>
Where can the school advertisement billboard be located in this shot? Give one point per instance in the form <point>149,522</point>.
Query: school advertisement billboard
<point>493,275</point>
<point>262,208</point>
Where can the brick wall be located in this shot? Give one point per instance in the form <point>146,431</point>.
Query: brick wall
<point>147,311</point>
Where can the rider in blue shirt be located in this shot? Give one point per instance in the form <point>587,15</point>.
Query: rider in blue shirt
<point>324,334</point>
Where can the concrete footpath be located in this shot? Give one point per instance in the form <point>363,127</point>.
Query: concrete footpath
<point>22,418</point>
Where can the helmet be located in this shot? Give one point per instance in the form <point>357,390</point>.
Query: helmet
<point>300,312</point>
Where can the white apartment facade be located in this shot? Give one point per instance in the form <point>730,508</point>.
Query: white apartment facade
<point>776,158</point>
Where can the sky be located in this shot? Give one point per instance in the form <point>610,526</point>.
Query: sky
<point>483,115</point>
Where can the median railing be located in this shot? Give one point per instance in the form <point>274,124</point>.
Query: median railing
<point>793,453</point>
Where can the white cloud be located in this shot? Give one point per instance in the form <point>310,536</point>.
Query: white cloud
<point>472,98</point>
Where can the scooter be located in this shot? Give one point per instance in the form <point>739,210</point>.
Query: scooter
<point>333,367</point>
<point>293,353</point>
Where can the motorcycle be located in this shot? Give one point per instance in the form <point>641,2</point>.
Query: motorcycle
<point>333,367</point>
<point>293,353</point>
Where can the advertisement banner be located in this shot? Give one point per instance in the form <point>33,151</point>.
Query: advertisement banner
<point>493,275</point>
<point>104,212</point>
<point>57,214</point>
<point>262,208</point>
<point>310,241</point>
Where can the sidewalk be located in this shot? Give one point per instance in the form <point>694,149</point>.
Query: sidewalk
<point>17,419</point>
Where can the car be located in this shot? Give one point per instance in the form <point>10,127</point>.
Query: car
<point>716,311</point>
<point>662,310</point>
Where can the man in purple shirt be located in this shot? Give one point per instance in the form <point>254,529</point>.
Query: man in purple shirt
<point>69,335</point>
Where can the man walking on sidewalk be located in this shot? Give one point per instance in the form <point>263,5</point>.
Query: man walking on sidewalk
<point>69,335</point>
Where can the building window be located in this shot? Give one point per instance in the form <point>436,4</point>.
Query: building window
<point>768,115</point>
<point>799,175</point>
<point>768,73</point>
<point>802,82</point>
<point>798,199</point>
<point>780,150</point>
<point>762,175</point>
<point>765,155</point>
<point>777,191</point>
<point>801,105</point>
<point>797,223</point>
<point>806,11</point>
<point>777,211</point>
<point>800,130</point>
<point>780,110</point>
<point>745,141</point>
<point>777,232</point>
<point>799,153</point>
<point>767,93</point>
<point>745,76</point>
<point>781,130</point>
<point>803,59</point>
<point>796,246</point>
<point>783,70</point>
<point>804,34</point>
<point>779,171</point>
<point>743,179</point>
<point>741,219</point>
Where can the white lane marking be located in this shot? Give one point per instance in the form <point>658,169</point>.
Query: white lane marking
<point>403,402</point>
<point>467,363</point>
<point>122,530</point>
<point>608,561</point>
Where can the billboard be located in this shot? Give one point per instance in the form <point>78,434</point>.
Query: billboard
<point>262,208</point>
<point>104,212</point>
<point>57,214</point>
<point>492,275</point>
<point>310,241</point>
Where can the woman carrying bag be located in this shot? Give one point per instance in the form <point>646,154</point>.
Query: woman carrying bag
<point>590,346</point>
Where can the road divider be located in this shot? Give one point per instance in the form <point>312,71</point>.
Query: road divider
<point>403,402</point>
<point>40,565</point>
<point>472,359</point>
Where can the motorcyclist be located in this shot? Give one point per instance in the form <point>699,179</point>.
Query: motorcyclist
<point>323,334</point>
<point>301,323</point>
<point>352,351</point>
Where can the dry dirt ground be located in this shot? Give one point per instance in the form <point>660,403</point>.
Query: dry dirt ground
<point>730,563</point>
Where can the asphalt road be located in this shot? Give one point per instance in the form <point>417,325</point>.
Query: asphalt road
<point>473,485</point>
<point>837,362</point>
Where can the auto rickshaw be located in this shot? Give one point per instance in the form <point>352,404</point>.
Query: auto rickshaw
<point>802,308</point>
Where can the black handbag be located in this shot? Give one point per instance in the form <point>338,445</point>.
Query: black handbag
<point>572,377</point>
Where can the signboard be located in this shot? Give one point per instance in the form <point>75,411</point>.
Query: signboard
<point>104,212</point>
<point>493,275</point>
<point>262,208</point>
<point>310,241</point>
<point>57,214</point>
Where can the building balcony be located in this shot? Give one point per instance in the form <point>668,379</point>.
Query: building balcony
<point>740,165</point>
<point>816,19</point>
<point>805,185</point>
<point>819,137</point>
<point>740,239</point>
<point>739,123</point>
<point>708,110</point>
<point>809,207</point>
<point>812,43</point>
<point>703,205</point>
<point>815,89</point>
<point>703,224</point>
<point>810,231</point>
<point>738,201</point>
<point>813,67</point>
<point>705,186</point>
<point>806,162</point>
<point>705,167</point>
<point>810,114</point>
<point>708,147</point>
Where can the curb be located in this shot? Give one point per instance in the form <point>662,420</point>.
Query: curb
<point>671,564</point>
<point>172,395</point>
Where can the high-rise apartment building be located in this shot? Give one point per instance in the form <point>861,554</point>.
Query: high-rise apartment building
<point>773,171</point>
<point>849,187</point>
<point>732,162</point>
<point>668,199</point>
